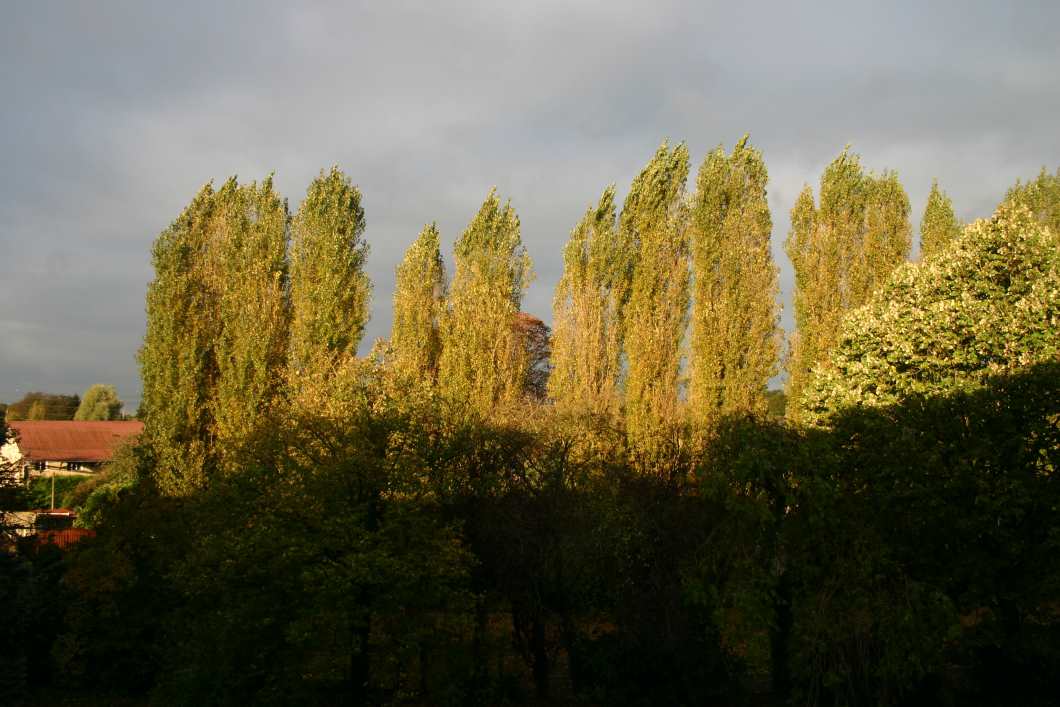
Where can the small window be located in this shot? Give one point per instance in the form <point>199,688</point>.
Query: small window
<point>39,466</point>
<point>73,466</point>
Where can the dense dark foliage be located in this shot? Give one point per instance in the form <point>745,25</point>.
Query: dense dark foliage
<point>43,406</point>
<point>369,531</point>
<point>905,556</point>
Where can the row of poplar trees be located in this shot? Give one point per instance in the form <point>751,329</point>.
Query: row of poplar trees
<point>248,300</point>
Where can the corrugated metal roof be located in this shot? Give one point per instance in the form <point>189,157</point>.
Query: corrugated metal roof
<point>70,440</point>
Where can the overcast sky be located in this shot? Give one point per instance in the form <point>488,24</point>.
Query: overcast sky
<point>112,115</point>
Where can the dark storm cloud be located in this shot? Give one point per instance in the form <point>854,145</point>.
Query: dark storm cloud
<point>114,114</point>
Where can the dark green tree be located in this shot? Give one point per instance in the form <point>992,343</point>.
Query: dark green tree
<point>43,406</point>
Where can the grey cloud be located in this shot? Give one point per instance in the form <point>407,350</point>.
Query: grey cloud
<point>114,114</point>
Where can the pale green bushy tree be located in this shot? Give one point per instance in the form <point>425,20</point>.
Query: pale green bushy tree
<point>100,402</point>
<point>988,304</point>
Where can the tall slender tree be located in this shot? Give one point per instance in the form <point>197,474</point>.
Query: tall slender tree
<point>734,310</point>
<point>654,219</point>
<point>939,224</point>
<point>1041,195</point>
<point>483,360</point>
<point>177,364</point>
<point>816,292</point>
<point>419,299</point>
<point>587,312</point>
<point>841,252</point>
<point>330,292</point>
<point>218,315</point>
<point>885,239</point>
<point>248,272</point>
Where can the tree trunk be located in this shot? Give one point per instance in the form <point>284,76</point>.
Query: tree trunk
<point>541,666</point>
<point>359,664</point>
<point>570,644</point>
<point>780,640</point>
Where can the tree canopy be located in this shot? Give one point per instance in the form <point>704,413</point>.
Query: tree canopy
<point>987,304</point>
<point>43,406</point>
<point>1041,195</point>
<point>483,361</point>
<point>419,303</point>
<point>330,292</point>
<point>218,314</point>
<point>842,251</point>
<point>100,402</point>
<point>735,337</point>
<point>479,513</point>
<point>939,225</point>
<point>588,309</point>
<point>654,221</point>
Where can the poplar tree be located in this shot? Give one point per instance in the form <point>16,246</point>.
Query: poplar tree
<point>177,365</point>
<point>483,361</point>
<point>248,272</point>
<point>1041,195</point>
<point>654,220</point>
<point>734,309</point>
<point>884,242</point>
<point>939,224</point>
<point>218,315</point>
<point>842,253</point>
<point>816,289</point>
<point>330,292</point>
<point>587,312</point>
<point>419,299</point>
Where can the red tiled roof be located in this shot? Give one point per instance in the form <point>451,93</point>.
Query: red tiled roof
<point>63,538</point>
<point>71,441</point>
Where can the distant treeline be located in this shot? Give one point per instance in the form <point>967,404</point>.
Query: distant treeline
<point>43,406</point>
<point>100,402</point>
<point>483,512</point>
